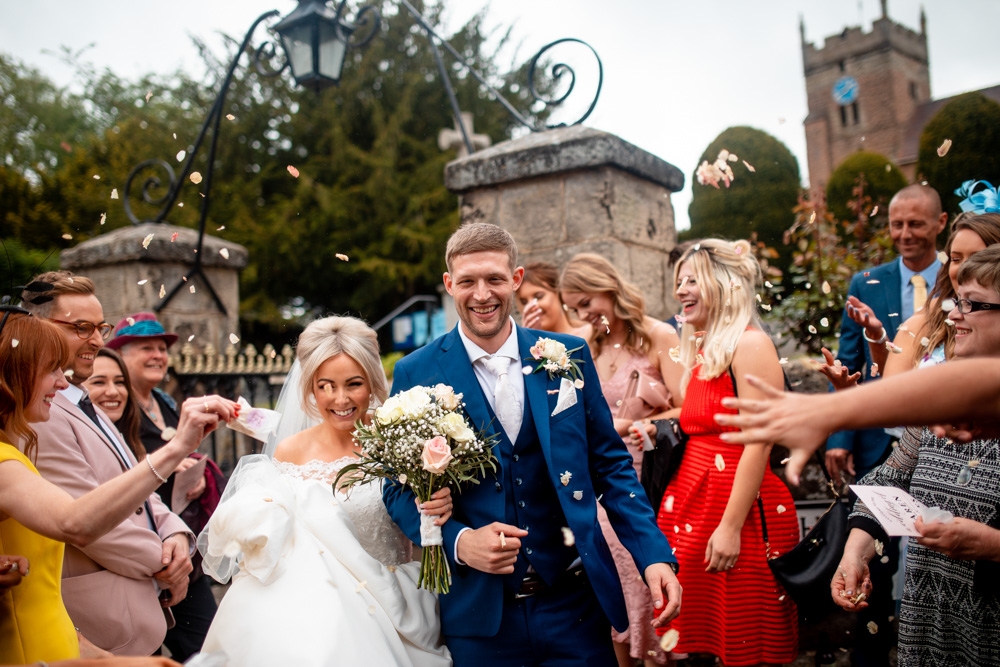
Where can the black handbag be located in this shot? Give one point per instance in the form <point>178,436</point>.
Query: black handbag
<point>659,465</point>
<point>805,572</point>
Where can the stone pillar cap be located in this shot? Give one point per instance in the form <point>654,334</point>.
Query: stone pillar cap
<point>556,151</point>
<point>125,245</point>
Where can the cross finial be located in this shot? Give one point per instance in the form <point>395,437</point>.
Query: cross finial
<point>449,139</point>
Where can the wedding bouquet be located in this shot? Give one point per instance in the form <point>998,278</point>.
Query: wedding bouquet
<point>419,438</point>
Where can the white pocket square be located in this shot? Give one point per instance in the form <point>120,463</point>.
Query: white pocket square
<point>567,396</point>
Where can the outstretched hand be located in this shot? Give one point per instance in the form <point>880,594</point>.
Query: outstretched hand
<point>840,376</point>
<point>791,419</point>
<point>864,316</point>
<point>201,415</point>
<point>665,591</point>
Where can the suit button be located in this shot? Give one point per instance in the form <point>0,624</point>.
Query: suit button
<point>516,457</point>
<point>518,481</point>
<point>528,551</point>
<point>139,511</point>
<point>499,488</point>
<point>520,503</point>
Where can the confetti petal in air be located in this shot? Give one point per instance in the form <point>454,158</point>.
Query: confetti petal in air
<point>146,241</point>
<point>780,509</point>
<point>826,287</point>
<point>68,237</point>
<point>668,642</point>
<point>293,171</point>
<point>104,218</point>
<point>14,342</point>
<point>944,148</point>
<point>668,504</point>
<point>224,252</point>
<point>872,625</point>
<point>688,528</point>
<point>578,495</point>
<point>675,354</point>
<point>233,338</point>
<point>879,546</point>
<point>342,257</point>
<point>812,329</point>
<point>824,322</point>
<point>720,463</point>
<point>190,338</point>
<point>142,282</point>
<point>148,96</point>
<point>195,177</point>
<point>568,537</point>
<point>173,237</point>
<point>219,229</point>
<point>191,289</point>
<point>130,320</point>
<point>96,177</point>
<point>949,322</point>
<point>565,478</point>
<point>230,116</point>
<point>942,257</point>
<point>578,383</point>
<point>68,373</point>
<point>607,325</point>
<point>114,193</point>
<point>749,167</point>
<point>163,291</point>
<point>180,154</point>
<point>872,282</point>
<point>783,361</point>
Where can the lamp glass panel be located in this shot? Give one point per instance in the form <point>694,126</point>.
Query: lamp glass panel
<point>298,46</point>
<point>331,52</point>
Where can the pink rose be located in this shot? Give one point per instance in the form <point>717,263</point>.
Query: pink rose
<point>436,456</point>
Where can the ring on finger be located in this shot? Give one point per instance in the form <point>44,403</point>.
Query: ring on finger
<point>206,406</point>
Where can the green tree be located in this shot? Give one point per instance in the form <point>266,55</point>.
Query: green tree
<point>758,201</point>
<point>972,123</point>
<point>861,182</point>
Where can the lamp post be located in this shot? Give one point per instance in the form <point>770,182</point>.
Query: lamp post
<point>316,38</point>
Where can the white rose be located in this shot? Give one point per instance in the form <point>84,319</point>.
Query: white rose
<point>446,397</point>
<point>390,411</point>
<point>453,425</point>
<point>414,402</point>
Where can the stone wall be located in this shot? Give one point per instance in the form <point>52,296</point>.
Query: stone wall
<point>573,190</point>
<point>117,262</point>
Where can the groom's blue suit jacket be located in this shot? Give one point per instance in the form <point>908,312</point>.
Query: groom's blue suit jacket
<point>580,440</point>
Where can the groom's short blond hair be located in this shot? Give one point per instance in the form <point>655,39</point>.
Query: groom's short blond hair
<point>480,237</point>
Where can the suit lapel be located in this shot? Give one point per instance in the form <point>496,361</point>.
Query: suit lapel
<point>893,298</point>
<point>536,387</point>
<point>76,413</point>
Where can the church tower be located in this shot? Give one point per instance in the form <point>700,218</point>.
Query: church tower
<point>862,90</point>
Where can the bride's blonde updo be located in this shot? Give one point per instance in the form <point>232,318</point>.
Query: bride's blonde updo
<point>330,336</point>
<point>728,276</point>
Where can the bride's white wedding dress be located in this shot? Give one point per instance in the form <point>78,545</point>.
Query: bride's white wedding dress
<point>319,578</point>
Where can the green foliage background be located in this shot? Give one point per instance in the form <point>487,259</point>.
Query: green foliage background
<point>371,184</point>
<point>972,122</point>
<point>881,180</point>
<point>759,202</point>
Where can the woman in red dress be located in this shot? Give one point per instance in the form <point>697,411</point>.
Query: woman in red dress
<point>733,607</point>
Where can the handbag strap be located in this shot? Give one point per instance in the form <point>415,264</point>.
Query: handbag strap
<point>630,390</point>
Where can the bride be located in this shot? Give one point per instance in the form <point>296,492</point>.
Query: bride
<point>320,577</point>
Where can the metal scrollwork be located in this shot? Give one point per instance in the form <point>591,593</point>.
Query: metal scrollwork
<point>557,72</point>
<point>366,13</point>
<point>148,186</point>
<point>262,57</point>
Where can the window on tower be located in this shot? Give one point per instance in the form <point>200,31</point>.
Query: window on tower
<point>854,111</point>
<point>843,116</point>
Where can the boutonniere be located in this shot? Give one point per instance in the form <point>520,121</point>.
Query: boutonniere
<point>553,357</point>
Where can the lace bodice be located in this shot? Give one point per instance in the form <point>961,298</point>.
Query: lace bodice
<point>377,533</point>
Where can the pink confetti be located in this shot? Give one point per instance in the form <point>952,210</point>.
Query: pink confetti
<point>293,171</point>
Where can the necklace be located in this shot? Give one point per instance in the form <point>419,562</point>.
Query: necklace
<point>613,366</point>
<point>149,409</point>
<point>964,477</point>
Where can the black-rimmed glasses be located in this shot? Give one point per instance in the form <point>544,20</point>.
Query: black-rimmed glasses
<point>86,329</point>
<point>965,306</point>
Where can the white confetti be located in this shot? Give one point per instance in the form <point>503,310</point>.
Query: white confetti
<point>925,341</point>
<point>783,361</point>
<point>950,322</point>
<point>578,383</point>
<point>342,257</point>
<point>812,329</point>
<point>191,289</point>
<point>879,546</point>
<point>142,282</point>
<point>749,167</point>
<point>824,322</point>
<point>104,218</point>
<point>872,627</point>
<point>68,373</point>
<point>96,177</point>
<point>195,177</point>
<point>224,252</point>
<point>163,291</point>
<point>233,338</point>
<point>131,321</point>
<point>219,229</point>
<point>873,282</point>
<point>114,193</point>
<point>68,237</point>
<point>146,241</point>
<point>668,504</point>
<point>942,151</point>
<point>568,538</point>
<point>181,154</point>
<point>688,528</point>
<point>403,478</point>
<point>826,287</point>
<point>230,116</point>
<point>14,342</point>
<point>565,478</point>
<point>720,462</point>
<point>526,370</point>
<point>668,642</point>
<point>148,96</point>
<point>190,338</point>
<point>780,509</point>
<point>578,495</point>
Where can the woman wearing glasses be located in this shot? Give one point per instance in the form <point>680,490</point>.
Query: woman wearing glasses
<point>954,559</point>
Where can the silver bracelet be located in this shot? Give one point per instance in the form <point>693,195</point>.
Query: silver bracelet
<point>884,338</point>
<point>163,480</point>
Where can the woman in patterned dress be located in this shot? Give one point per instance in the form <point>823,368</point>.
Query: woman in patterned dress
<point>950,613</point>
<point>733,607</point>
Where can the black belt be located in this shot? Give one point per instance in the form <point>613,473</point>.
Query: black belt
<point>533,584</point>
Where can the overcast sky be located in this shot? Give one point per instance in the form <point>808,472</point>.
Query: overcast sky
<point>676,73</point>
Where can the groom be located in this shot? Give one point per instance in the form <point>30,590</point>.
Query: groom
<point>533,580</point>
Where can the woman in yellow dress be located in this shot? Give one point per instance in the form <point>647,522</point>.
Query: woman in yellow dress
<point>36,517</point>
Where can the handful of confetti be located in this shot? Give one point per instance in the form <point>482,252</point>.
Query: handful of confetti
<point>258,423</point>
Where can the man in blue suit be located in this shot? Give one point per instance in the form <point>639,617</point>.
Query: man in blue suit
<point>893,292</point>
<point>534,582</point>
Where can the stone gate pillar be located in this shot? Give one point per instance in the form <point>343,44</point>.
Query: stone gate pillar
<point>128,278</point>
<point>576,189</point>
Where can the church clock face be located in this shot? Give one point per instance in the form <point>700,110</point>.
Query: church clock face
<point>845,91</point>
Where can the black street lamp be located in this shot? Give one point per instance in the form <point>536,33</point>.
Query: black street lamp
<point>316,37</point>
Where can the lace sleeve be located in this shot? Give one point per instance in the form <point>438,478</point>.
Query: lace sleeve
<point>896,471</point>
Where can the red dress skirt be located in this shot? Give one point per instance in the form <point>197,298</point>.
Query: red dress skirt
<point>742,615</point>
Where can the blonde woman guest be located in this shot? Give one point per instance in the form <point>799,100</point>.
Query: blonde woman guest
<point>626,340</point>
<point>540,305</point>
<point>735,609</point>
